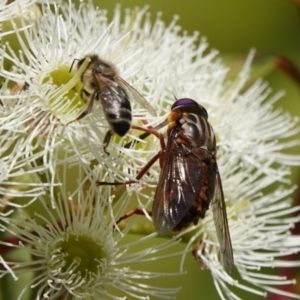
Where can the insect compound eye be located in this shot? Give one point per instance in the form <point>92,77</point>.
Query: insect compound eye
<point>184,102</point>
<point>204,111</point>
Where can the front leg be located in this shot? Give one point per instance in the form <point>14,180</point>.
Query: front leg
<point>106,140</point>
<point>88,98</point>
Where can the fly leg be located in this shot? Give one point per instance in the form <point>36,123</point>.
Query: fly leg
<point>106,140</point>
<point>90,106</point>
<point>195,253</point>
<point>143,171</point>
<point>151,130</point>
<point>147,131</point>
<point>133,212</point>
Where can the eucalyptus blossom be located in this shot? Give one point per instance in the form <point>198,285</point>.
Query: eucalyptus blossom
<point>52,159</point>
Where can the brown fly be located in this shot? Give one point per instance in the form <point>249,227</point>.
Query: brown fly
<point>189,180</point>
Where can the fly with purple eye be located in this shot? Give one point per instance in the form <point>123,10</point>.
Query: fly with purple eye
<point>189,180</point>
<point>101,82</point>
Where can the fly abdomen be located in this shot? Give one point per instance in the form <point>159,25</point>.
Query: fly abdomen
<point>197,211</point>
<point>119,121</point>
<point>117,109</point>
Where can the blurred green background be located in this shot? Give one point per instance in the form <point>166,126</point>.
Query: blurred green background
<point>233,27</point>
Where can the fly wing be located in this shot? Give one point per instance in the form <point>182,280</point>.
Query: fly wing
<point>137,97</point>
<point>221,224</point>
<point>116,105</point>
<point>110,93</point>
<point>178,185</point>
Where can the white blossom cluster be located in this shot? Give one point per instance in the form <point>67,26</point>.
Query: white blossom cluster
<point>61,226</point>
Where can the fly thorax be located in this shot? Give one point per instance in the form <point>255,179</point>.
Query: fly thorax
<point>197,129</point>
<point>105,70</point>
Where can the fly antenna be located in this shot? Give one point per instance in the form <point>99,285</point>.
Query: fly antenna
<point>75,59</point>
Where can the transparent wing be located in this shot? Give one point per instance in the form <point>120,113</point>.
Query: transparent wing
<point>221,224</point>
<point>110,93</point>
<point>178,185</point>
<point>135,96</point>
